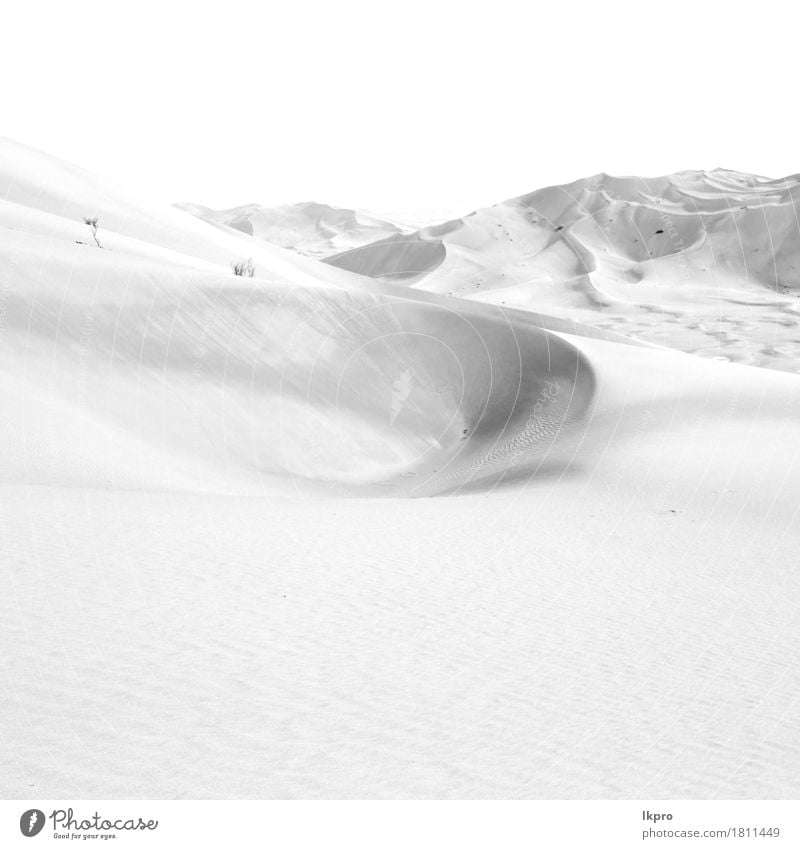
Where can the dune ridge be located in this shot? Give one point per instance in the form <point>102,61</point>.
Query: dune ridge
<point>312,229</point>
<point>468,528</point>
<point>309,376</point>
<point>703,261</point>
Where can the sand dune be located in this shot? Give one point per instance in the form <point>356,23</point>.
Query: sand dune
<point>311,229</point>
<point>225,577</point>
<point>279,379</point>
<point>46,196</point>
<point>705,262</point>
<point>287,375</point>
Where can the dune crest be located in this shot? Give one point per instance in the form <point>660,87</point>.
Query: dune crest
<point>310,377</point>
<point>707,262</point>
<point>448,531</point>
<point>312,229</point>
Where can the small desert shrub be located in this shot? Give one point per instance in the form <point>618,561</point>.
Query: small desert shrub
<point>93,223</point>
<point>244,268</point>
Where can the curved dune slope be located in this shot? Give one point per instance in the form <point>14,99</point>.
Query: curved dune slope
<point>396,259</point>
<point>224,382</point>
<point>705,262</point>
<point>145,362</point>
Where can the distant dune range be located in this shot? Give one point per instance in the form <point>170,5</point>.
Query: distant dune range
<point>706,262</point>
<point>312,229</point>
<point>456,513</point>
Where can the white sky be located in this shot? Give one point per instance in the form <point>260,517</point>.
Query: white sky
<point>398,106</point>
